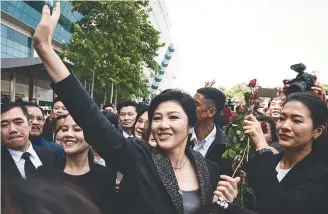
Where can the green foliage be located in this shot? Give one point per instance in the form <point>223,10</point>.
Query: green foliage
<point>116,40</point>
<point>237,92</point>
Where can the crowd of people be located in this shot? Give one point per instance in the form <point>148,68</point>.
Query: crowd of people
<point>161,158</point>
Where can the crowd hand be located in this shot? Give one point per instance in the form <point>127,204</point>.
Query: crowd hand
<point>209,84</point>
<point>253,129</point>
<point>319,91</point>
<point>44,32</point>
<point>226,189</point>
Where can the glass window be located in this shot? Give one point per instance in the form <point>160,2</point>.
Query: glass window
<point>22,48</point>
<point>24,17</point>
<point>10,9</point>
<point>17,13</point>
<point>4,48</point>
<point>21,5</point>
<point>10,43</point>
<point>22,55</point>
<point>10,50</point>
<point>16,53</point>
<point>16,46</point>
<point>4,5</point>
<point>29,42</point>
<point>10,33</point>
<point>4,30</point>
<point>3,40</point>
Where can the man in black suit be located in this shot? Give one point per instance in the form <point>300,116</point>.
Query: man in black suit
<point>19,159</point>
<point>207,137</point>
<point>37,121</point>
<point>127,114</point>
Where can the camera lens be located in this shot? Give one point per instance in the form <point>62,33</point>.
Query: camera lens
<point>299,86</point>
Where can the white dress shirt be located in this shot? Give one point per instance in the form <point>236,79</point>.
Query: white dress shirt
<point>126,135</point>
<point>20,162</point>
<point>204,145</point>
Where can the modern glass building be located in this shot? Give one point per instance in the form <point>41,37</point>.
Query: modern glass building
<point>22,74</point>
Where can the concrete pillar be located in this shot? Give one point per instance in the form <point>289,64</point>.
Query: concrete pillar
<point>30,88</point>
<point>12,87</point>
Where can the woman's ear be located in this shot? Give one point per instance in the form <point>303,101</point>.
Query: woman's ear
<point>318,131</point>
<point>190,130</point>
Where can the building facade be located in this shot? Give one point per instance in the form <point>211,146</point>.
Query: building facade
<point>159,17</point>
<point>18,22</point>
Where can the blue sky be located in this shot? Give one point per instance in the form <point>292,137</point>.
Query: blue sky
<point>234,41</point>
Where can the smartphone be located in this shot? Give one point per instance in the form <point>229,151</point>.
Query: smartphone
<point>268,92</point>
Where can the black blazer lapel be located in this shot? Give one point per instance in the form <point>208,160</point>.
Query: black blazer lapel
<point>297,169</point>
<point>220,141</point>
<point>167,176</point>
<point>203,176</point>
<point>8,165</point>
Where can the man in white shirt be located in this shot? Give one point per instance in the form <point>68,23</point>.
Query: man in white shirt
<point>127,114</point>
<point>207,137</point>
<point>18,157</point>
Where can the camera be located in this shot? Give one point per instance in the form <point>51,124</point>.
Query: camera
<point>302,82</point>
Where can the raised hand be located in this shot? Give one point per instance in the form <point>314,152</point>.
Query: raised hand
<point>209,84</point>
<point>44,32</point>
<point>318,90</point>
<point>253,129</point>
<point>227,189</point>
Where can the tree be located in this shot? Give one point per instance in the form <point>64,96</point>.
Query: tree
<point>237,92</point>
<point>112,44</point>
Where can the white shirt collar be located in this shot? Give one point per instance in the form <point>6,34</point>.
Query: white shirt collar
<point>17,155</point>
<point>126,135</point>
<point>207,141</point>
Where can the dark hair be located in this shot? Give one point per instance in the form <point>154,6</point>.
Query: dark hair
<point>33,104</point>
<point>141,109</point>
<point>41,195</point>
<point>214,95</point>
<point>317,107</point>
<point>183,99</point>
<point>319,116</point>
<point>108,105</point>
<point>111,117</point>
<point>126,104</point>
<point>57,99</point>
<point>10,105</point>
<point>54,121</point>
<point>272,123</point>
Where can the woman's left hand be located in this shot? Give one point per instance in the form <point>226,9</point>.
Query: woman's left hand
<point>227,189</point>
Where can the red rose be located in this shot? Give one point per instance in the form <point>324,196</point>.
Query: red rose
<point>252,83</point>
<point>239,108</point>
<point>264,127</point>
<point>234,114</point>
<point>226,111</point>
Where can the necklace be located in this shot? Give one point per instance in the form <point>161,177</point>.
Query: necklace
<point>178,168</point>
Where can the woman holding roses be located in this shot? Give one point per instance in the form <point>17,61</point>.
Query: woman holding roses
<point>295,181</point>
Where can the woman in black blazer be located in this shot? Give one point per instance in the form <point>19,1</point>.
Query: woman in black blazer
<point>295,181</point>
<point>167,179</point>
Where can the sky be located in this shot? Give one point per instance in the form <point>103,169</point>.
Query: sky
<point>234,41</point>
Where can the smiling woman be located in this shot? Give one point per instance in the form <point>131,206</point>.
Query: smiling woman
<point>80,170</point>
<point>160,179</point>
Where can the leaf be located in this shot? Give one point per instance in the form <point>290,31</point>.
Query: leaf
<point>231,153</point>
